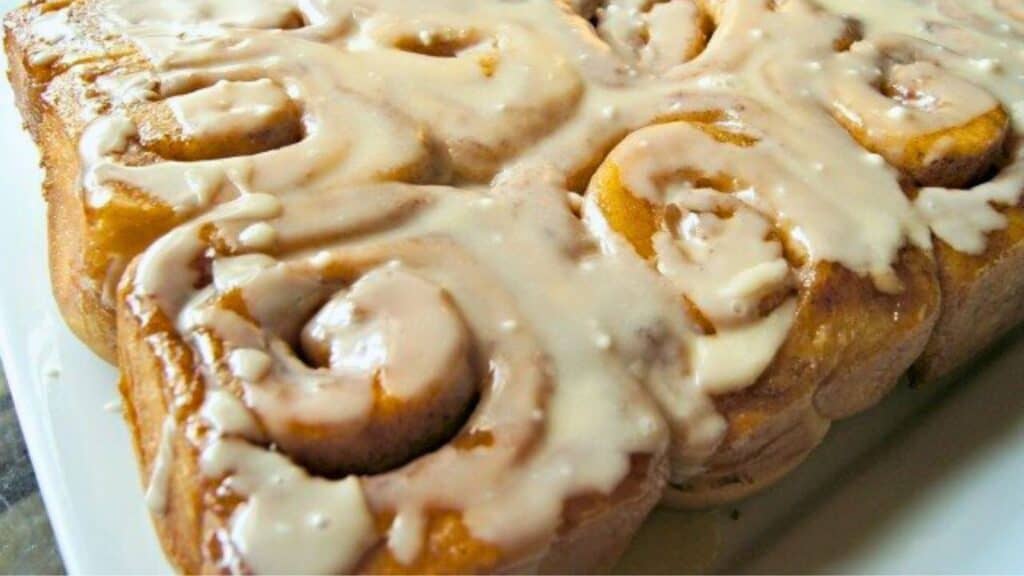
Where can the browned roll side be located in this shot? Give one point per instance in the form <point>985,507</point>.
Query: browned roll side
<point>844,341</point>
<point>413,328</point>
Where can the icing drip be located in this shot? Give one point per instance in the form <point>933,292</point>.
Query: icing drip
<point>977,46</point>
<point>229,416</point>
<point>361,353</point>
<point>228,108</point>
<point>163,466</point>
<point>290,519</point>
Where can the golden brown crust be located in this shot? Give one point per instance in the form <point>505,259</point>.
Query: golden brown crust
<point>781,450</point>
<point>49,100</point>
<point>80,301</point>
<point>983,298</point>
<point>849,346</point>
<point>595,531</point>
<point>595,536</point>
<point>89,248</point>
<point>145,409</point>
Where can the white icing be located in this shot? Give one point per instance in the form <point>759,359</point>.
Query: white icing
<point>104,137</point>
<point>736,357</point>
<point>290,521</point>
<point>185,14</point>
<point>52,27</point>
<point>228,108</point>
<point>162,468</point>
<point>130,88</point>
<point>229,416</point>
<point>980,68</point>
<point>250,365</point>
<point>963,218</point>
<point>260,236</point>
<point>465,288</point>
<point>237,270</point>
<point>43,57</point>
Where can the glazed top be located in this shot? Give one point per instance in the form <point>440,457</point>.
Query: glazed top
<point>435,152</point>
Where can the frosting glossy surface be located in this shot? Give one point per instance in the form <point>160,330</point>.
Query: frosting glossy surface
<point>383,272</point>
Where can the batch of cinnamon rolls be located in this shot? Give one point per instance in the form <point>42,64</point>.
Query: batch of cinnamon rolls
<point>472,285</point>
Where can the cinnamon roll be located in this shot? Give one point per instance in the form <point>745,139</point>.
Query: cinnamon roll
<point>467,285</point>
<point>703,201</point>
<point>936,127</point>
<point>385,401</point>
<point>155,134</point>
<point>945,111</point>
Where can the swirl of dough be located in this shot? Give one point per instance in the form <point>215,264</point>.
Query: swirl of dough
<point>183,121</point>
<point>487,80</point>
<point>896,97</point>
<point>696,199</point>
<point>369,337</point>
<point>231,115</point>
<point>211,128</point>
<point>374,397</point>
<point>656,35</point>
<point>722,254</point>
<point>353,96</point>
<point>972,50</point>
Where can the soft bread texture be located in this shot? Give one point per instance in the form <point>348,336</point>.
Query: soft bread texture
<point>848,345</point>
<point>844,354</point>
<point>594,534</point>
<point>162,379</point>
<point>595,531</point>
<point>849,342</point>
<point>89,249</point>
<point>982,299</point>
<point>80,302</point>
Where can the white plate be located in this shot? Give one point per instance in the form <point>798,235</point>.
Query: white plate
<point>887,492</point>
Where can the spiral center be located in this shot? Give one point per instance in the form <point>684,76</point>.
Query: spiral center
<point>391,378</point>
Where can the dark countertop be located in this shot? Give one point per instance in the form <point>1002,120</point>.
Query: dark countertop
<point>27,545</point>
